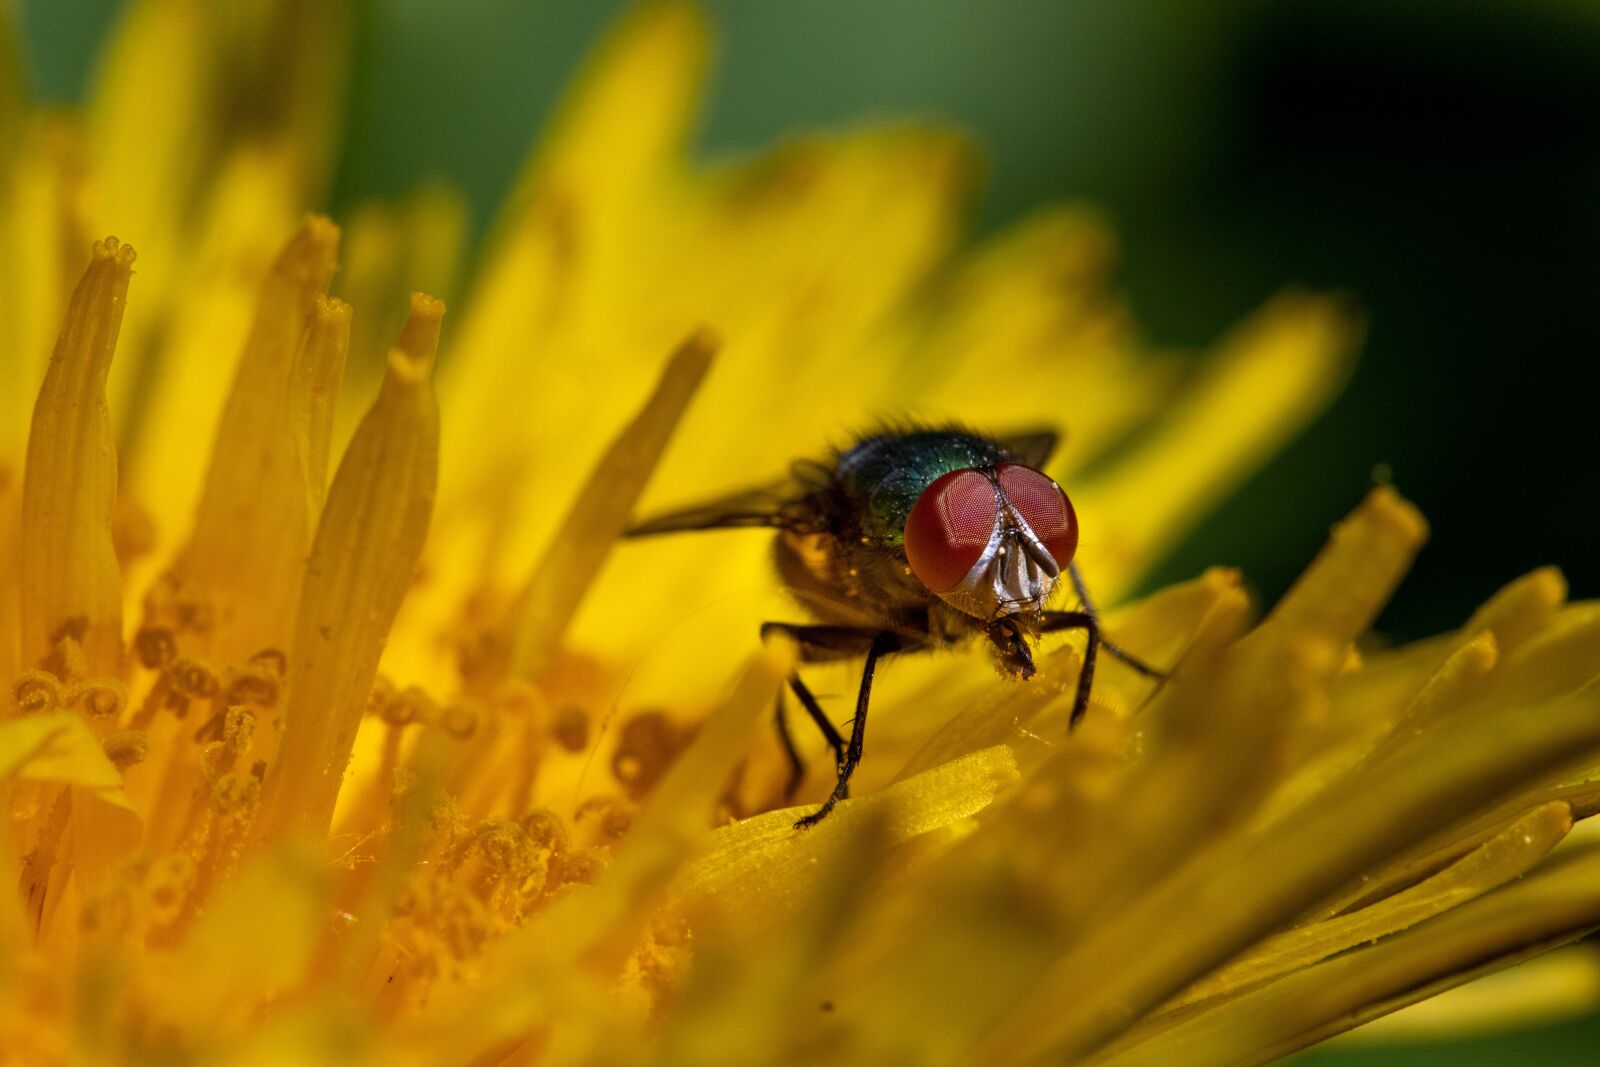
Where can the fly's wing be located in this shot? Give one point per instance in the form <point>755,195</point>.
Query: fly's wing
<point>1031,448</point>
<point>775,506</point>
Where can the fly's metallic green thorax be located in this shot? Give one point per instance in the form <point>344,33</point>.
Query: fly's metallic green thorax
<point>883,475</point>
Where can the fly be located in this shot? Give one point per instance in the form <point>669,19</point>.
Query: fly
<point>908,540</point>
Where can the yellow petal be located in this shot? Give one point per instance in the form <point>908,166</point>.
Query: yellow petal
<point>315,391</point>
<point>69,567</point>
<point>171,418</point>
<point>256,515</point>
<point>1037,302</point>
<point>362,561</point>
<point>1342,591</point>
<point>1508,855</point>
<point>1555,904</point>
<point>1268,378</point>
<point>740,1007</point>
<point>758,870</point>
<point>58,747</point>
<point>1248,885</point>
<point>150,132</point>
<point>1580,793</point>
<point>43,233</point>
<point>254,941</point>
<point>574,226</point>
<point>596,519</point>
<point>1520,609</point>
<point>413,245</point>
<point>538,964</point>
<point>1550,989</point>
<point>1563,656</point>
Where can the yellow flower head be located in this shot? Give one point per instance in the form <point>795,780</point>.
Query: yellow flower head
<point>340,728</point>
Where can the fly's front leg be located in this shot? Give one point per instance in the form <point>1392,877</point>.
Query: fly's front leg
<point>1139,666</point>
<point>1054,621</point>
<point>1088,620</point>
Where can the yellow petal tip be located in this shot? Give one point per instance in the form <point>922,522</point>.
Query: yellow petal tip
<point>1383,506</point>
<point>309,257</point>
<point>331,311</point>
<point>411,359</point>
<point>109,249</point>
<point>1548,587</point>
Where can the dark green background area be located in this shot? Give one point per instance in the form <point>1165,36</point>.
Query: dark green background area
<point>1441,163</point>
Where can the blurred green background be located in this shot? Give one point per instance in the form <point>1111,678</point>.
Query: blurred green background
<point>1440,161</point>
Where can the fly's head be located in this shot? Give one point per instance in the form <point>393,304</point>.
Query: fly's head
<point>992,541</point>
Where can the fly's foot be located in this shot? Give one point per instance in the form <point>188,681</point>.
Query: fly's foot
<point>808,821</point>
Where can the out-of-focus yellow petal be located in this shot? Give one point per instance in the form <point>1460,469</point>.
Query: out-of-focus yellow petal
<point>415,244</point>
<point>1260,386</point>
<point>151,131</point>
<point>546,956</point>
<point>1520,609</point>
<point>43,235</point>
<point>1497,861</point>
<point>1357,821</point>
<point>757,870</point>
<point>1556,904</point>
<point>254,941</point>
<point>733,1012</point>
<point>58,747</point>
<point>1034,305</point>
<point>1335,600</point>
<point>183,87</point>
<point>630,111</point>
<point>1342,591</point>
<point>1579,791</point>
<point>257,512</point>
<point>172,417</point>
<point>315,392</point>
<point>1562,657</point>
<point>362,560</point>
<point>597,518</point>
<point>1547,989</point>
<point>577,222</point>
<point>70,580</point>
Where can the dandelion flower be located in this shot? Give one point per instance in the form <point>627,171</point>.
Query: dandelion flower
<point>341,730</point>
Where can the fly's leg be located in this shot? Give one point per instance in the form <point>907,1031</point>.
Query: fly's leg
<point>797,765</point>
<point>881,644</point>
<point>815,643</point>
<point>1139,666</point>
<point>1086,621</point>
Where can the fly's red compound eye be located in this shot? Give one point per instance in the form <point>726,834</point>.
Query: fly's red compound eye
<point>949,527</point>
<point>1045,507</point>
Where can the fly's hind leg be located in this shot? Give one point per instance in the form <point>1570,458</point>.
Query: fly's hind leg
<point>819,644</point>
<point>797,765</point>
<point>882,644</point>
